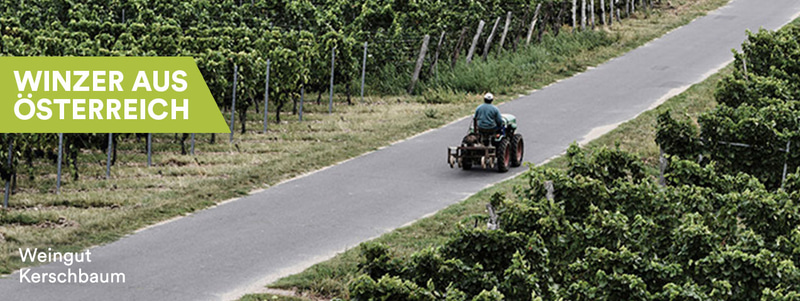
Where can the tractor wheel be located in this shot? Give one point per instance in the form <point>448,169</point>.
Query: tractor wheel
<point>517,150</point>
<point>503,155</point>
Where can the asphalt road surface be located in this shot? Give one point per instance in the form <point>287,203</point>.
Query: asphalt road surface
<point>225,251</point>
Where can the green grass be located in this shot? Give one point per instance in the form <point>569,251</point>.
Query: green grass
<point>330,278</point>
<point>92,210</point>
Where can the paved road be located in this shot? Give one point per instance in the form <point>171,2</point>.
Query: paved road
<point>221,252</point>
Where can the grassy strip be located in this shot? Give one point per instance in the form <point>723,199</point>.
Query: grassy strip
<point>271,297</point>
<point>92,211</point>
<point>330,278</point>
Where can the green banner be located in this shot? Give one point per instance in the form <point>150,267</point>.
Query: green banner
<point>106,95</point>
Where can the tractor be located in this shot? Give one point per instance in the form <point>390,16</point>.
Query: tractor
<point>487,149</point>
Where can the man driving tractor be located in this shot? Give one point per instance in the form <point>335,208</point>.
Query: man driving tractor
<point>491,141</point>
<point>488,116</point>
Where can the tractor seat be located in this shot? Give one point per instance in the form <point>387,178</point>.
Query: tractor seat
<point>486,135</point>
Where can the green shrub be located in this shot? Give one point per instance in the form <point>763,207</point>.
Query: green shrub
<point>723,238</point>
<point>387,288</point>
<point>758,115</point>
<point>376,260</point>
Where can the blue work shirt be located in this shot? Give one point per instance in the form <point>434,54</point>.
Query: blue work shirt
<point>488,117</point>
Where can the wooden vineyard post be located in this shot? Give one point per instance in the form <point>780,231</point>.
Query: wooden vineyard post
<point>628,7</point>
<point>493,223</point>
<point>266,103</point>
<point>10,161</point>
<point>60,156</point>
<point>489,40</point>
<point>233,104</point>
<point>364,71</point>
<point>744,66</point>
<point>333,66</point>
<point>533,24</point>
<point>610,12</point>
<point>149,149</point>
<point>420,60</point>
<point>574,15</point>
<point>505,32</point>
<point>583,15</point>
<point>436,56</point>
<point>603,12</point>
<point>475,42</point>
<point>302,99</point>
<point>108,156</point>
<point>460,43</point>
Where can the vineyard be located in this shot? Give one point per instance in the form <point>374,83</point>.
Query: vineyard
<point>721,222</point>
<point>293,40</point>
<point>297,39</point>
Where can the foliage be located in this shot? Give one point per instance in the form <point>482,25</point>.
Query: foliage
<point>678,137</point>
<point>612,233</point>
<point>297,38</point>
<point>756,126</point>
